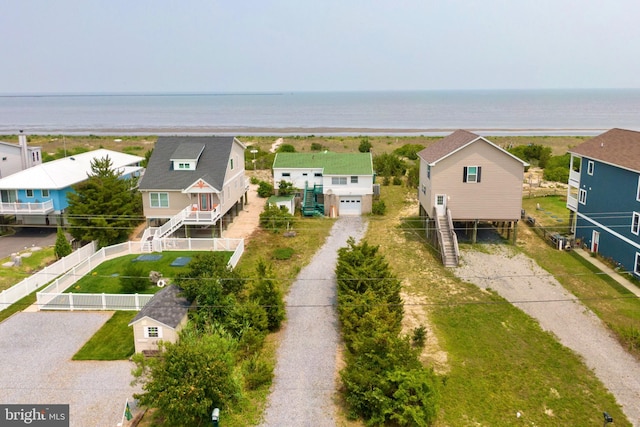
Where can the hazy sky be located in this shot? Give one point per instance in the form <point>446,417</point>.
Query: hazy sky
<point>61,46</point>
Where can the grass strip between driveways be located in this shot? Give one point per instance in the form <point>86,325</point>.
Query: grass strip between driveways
<point>499,362</point>
<point>113,341</point>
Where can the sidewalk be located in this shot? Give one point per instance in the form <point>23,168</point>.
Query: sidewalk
<point>609,271</point>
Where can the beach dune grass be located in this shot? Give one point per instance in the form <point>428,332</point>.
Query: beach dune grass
<point>113,341</point>
<point>105,278</point>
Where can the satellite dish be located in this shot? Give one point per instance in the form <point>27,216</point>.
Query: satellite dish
<point>161,283</point>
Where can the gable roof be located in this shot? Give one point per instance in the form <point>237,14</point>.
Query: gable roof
<point>17,146</point>
<point>166,307</point>
<point>330,163</point>
<point>65,172</point>
<point>618,147</point>
<point>211,166</point>
<point>455,142</point>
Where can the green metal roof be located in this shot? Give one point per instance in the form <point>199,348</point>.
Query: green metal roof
<point>330,163</point>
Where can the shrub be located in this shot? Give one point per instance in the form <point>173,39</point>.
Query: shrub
<point>254,180</point>
<point>62,247</point>
<point>419,336</point>
<point>397,180</point>
<point>365,145</point>
<point>132,280</point>
<point>316,146</point>
<point>285,188</point>
<point>275,218</point>
<point>409,151</point>
<point>379,208</point>
<point>257,373</point>
<point>286,148</point>
<point>265,189</point>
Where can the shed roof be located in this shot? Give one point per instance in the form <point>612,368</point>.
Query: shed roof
<point>166,307</point>
<point>211,166</point>
<point>330,163</point>
<point>65,172</point>
<point>618,147</point>
<point>455,142</point>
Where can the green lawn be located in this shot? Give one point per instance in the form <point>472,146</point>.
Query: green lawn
<point>9,276</point>
<point>553,213</point>
<point>114,341</point>
<point>105,278</point>
<point>498,360</point>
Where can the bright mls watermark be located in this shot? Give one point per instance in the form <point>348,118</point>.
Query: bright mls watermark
<point>34,415</point>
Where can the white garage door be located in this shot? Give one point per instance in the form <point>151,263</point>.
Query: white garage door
<point>350,206</point>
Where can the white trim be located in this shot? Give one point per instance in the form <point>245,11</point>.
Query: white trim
<point>610,231</point>
<point>635,223</point>
<point>159,204</point>
<point>582,196</point>
<point>158,331</point>
<point>590,167</point>
<point>636,270</point>
<point>488,142</point>
<point>638,190</point>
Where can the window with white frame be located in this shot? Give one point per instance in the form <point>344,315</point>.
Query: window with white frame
<point>152,332</point>
<point>30,193</point>
<point>428,171</point>
<point>159,200</point>
<point>635,223</point>
<point>318,174</point>
<point>231,164</point>
<point>286,174</point>
<point>590,166</point>
<point>636,267</point>
<point>582,196</point>
<point>424,189</point>
<point>339,180</point>
<point>45,193</point>
<point>471,174</point>
<point>354,179</point>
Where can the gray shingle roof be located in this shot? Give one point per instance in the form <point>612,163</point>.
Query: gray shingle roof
<point>619,147</point>
<point>165,307</point>
<point>211,167</point>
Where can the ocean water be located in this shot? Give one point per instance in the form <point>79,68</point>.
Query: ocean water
<point>548,112</point>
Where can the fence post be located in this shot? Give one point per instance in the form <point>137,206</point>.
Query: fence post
<point>104,301</point>
<point>137,302</point>
<point>71,301</point>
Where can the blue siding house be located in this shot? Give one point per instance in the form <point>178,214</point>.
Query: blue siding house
<point>604,196</point>
<point>38,194</point>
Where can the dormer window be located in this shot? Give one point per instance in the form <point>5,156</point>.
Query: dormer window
<point>186,156</point>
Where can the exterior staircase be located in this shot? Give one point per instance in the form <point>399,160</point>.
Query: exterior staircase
<point>448,240</point>
<point>188,216</point>
<point>310,205</point>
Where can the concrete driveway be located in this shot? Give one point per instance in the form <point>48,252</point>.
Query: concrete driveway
<point>37,367</point>
<point>27,237</point>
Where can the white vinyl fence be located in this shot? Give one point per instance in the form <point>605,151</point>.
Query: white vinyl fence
<point>44,276</point>
<point>53,297</point>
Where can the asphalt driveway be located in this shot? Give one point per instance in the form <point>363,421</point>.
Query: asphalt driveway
<point>26,238</point>
<point>36,350</point>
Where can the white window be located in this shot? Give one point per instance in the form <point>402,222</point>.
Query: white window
<point>45,193</point>
<point>428,171</point>
<point>29,193</point>
<point>636,267</point>
<point>354,179</point>
<point>231,164</point>
<point>159,200</point>
<point>471,174</point>
<point>590,167</point>
<point>152,332</point>
<point>183,165</point>
<point>339,180</point>
<point>286,174</point>
<point>635,223</point>
<point>317,175</point>
<point>582,197</point>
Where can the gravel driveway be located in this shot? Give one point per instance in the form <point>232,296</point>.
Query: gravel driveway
<point>304,384</point>
<point>519,279</point>
<point>37,367</point>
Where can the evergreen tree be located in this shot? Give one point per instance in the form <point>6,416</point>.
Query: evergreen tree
<point>105,207</point>
<point>62,247</point>
<point>267,294</point>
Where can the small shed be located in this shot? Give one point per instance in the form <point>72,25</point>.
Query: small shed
<point>161,319</point>
<point>286,201</point>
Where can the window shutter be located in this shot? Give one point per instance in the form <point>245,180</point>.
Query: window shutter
<point>479,170</point>
<point>464,174</point>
